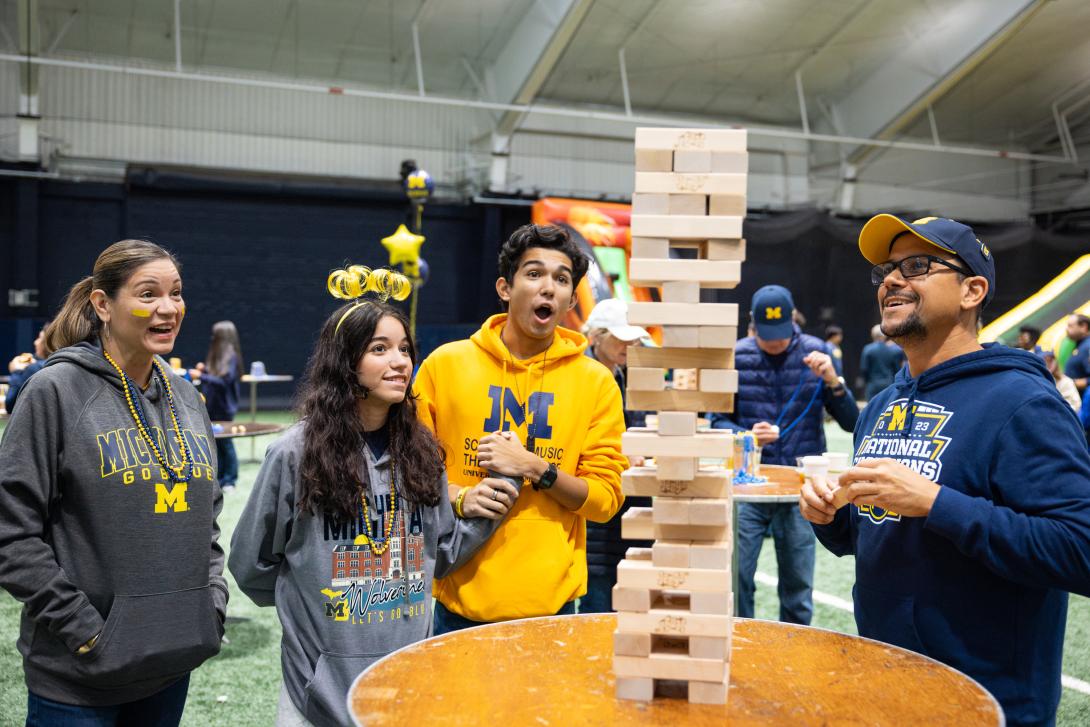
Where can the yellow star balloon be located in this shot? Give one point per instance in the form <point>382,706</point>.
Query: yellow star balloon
<point>404,248</point>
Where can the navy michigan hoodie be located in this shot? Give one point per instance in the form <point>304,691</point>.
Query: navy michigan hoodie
<point>981,583</point>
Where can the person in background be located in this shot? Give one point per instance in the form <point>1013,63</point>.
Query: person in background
<point>1064,384</point>
<point>880,362</point>
<point>1027,338</point>
<point>349,519</point>
<point>1078,364</point>
<point>834,336</point>
<point>218,377</point>
<point>23,366</point>
<point>786,382</point>
<point>609,335</point>
<point>108,506</point>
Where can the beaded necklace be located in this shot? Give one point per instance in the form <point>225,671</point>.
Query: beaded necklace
<point>378,547</point>
<point>133,400</point>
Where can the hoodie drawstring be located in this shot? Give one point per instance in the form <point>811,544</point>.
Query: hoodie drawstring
<point>910,408</point>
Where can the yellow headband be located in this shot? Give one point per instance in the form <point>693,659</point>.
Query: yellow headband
<point>356,281</point>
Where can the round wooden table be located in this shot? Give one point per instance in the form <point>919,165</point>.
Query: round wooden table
<point>231,430</point>
<point>558,671</point>
<point>784,485</point>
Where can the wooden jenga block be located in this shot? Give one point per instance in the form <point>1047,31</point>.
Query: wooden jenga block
<point>680,401</point>
<point>708,647</point>
<point>718,380</point>
<point>730,205</point>
<point>714,692</point>
<point>685,204</point>
<point>707,273</point>
<point>639,689</point>
<point>670,666</point>
<point>642,574</point>
<point>683,314</point>
<point>730,140</point>
<point>697,227</point>
<point>670,554</point>
<point>644,482</point>
<point>677,291</point>
<point>722,250</point>
<point>717,337</point>
<point>691,511</point>
<point>650,204</point>
<point>712,602</point>
<point>631,644</point>
<point>729,162</point>
<point>650,247</point>
<point>706,184</point>
<point>840,497</point>
<point>649,443</point>
<point>640,554</point>
<point>710,555</point>
<point>690,160</point>
<point>675,622</point>
<point>654,160</point>
<point>638,524</point>
<point>677,423</point>
<point>631,599</point>
<point>680,336</point>
<point>675,468</point>
<point>681,358</point>
<point>646,379</point>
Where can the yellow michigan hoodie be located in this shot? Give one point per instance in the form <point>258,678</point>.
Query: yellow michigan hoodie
<point>571,406</point>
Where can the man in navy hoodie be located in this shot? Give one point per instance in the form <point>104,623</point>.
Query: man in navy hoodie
<point>969,509</point>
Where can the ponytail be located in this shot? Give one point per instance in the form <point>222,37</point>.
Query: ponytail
<point>77,320</point>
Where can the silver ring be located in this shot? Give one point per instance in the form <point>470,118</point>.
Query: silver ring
<point>494,493</point>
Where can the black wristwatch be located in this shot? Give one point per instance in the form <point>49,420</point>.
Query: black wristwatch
<point>838,389</point>
<point>547,479</point>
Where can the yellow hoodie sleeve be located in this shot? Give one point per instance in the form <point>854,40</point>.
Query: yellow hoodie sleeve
<point>424,389</point>
<point>601,462</point>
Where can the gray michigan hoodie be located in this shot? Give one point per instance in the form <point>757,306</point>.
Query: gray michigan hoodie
<point>341,606</point>
<point>95,539</point>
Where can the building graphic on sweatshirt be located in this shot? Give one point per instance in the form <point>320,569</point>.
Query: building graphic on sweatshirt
<point>362,582</point>
<point>910,433</point>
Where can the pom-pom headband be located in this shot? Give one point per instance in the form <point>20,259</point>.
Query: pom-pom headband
<point>356,281</point>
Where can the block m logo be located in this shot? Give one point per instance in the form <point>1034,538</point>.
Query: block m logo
<point>172,499</point>
<point>773,313</point>
<point>508,410</point>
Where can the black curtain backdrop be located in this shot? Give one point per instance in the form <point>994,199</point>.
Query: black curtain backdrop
<point>257,252</point>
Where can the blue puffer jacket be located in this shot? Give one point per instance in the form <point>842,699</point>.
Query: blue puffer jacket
<point>769,390</point>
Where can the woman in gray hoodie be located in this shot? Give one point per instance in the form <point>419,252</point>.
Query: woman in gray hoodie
<point>108,504</point>
<point>347,523</point>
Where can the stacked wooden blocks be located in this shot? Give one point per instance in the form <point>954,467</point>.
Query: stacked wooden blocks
<point>674,600</point>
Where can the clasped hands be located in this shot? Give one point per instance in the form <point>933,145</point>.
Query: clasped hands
<point>492,498</point>
<point>883,483</point>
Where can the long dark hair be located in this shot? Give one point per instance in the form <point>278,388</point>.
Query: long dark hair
<point>77,320</point>
<point>224,347</point>
<point>333,457</point>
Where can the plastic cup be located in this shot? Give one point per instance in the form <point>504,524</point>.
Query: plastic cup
<point>257,368</point>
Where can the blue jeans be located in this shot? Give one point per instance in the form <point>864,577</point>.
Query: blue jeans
<point>447,621</point>
<point>162,709</point>
<point>599,597</point>
<point>794,540</point>
<point>228,462</point>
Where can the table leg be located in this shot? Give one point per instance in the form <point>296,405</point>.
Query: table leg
<point>253,418</point>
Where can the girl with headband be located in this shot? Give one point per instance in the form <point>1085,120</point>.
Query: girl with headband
<point>108,503</point>
<point>348,522</point>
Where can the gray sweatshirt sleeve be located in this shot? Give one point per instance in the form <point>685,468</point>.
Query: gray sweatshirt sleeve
<point>459,538</point>
<point>261,536</point>
<point>215,561</point>
<point>28,490</point>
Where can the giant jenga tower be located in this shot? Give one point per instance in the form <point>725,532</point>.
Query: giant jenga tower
<point>674,601</point>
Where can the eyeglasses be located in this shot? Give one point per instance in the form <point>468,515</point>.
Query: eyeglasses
<point>911,267</point>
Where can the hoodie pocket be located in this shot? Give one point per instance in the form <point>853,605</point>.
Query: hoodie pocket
<point>887,617</point>
<point>327,692</point>
<point>152,636</point>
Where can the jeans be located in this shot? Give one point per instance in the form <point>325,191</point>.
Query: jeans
<point>447,621</point>
<point>794,540</point>
<point>228,462</point>
<point>162,709</point>
<point>599,597</point>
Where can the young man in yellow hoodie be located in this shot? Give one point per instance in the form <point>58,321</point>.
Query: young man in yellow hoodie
<point>519,398</point>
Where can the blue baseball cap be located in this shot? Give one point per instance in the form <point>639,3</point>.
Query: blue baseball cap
<point>771,310</point>
<point>877,237</point>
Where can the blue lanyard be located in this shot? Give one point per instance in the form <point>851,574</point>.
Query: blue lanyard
<point>813,398</point>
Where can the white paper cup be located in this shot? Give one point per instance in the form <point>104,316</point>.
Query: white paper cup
<point>838,461</point>
<point>815,464</point>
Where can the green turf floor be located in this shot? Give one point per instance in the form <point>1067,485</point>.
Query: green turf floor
<point>240,686</point>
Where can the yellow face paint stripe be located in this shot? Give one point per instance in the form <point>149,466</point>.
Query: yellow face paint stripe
<point>141,313</point>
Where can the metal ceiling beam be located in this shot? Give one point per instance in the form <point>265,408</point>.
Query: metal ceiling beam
<point>30,45</point>
<point>928,65</point>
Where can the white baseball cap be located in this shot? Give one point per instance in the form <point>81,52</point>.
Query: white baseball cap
<point>612,315</point>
